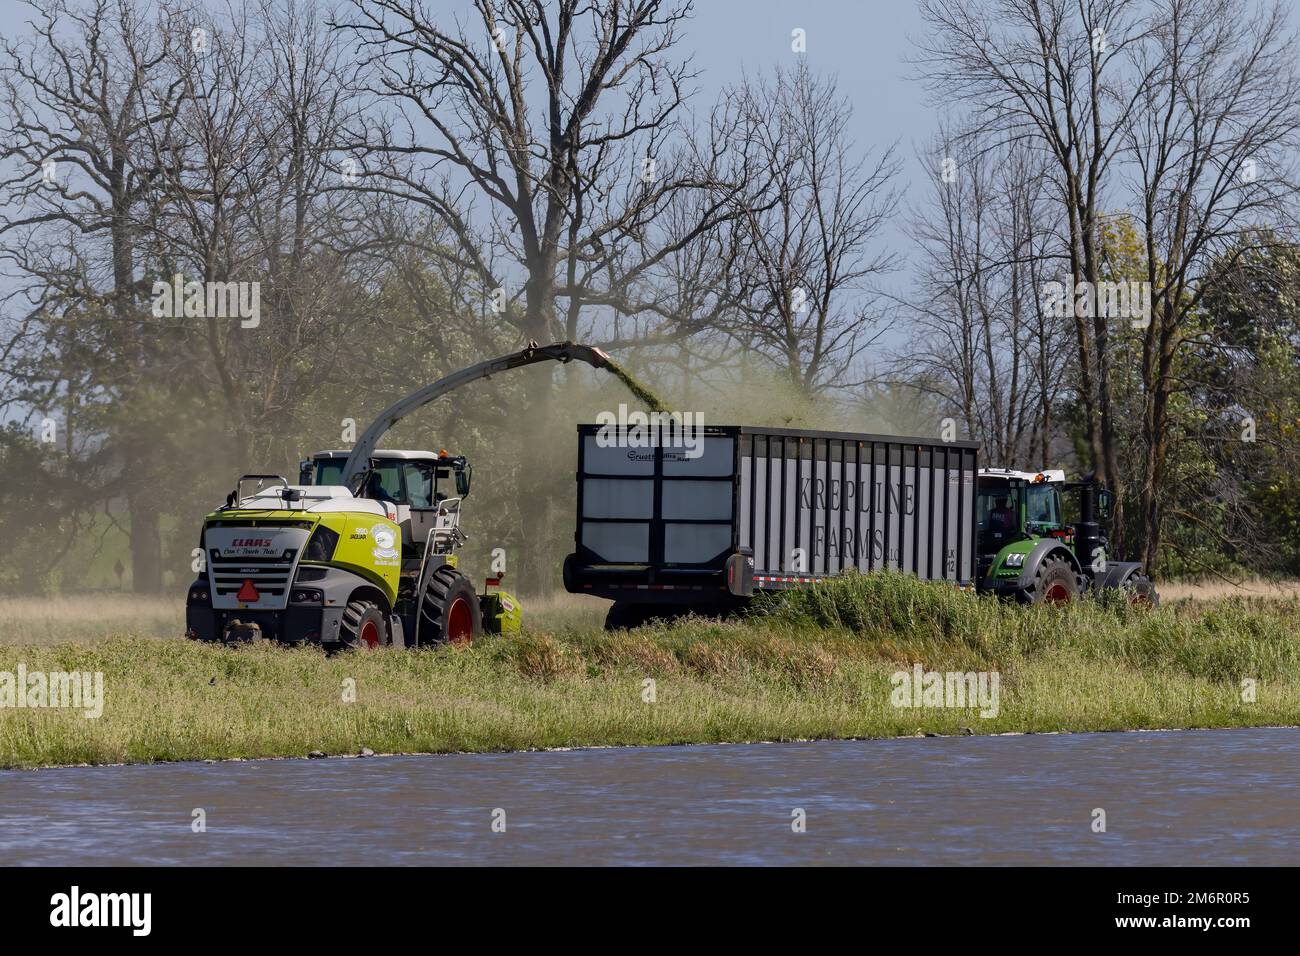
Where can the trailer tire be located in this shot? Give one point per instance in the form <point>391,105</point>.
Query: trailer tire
<point>363,627</point>
<point>625,615</point>
<point>449,609</point>
<point>1055,583</point>
<point>1141,591</point>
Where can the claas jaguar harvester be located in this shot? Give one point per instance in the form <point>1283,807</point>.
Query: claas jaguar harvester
<point>361,552</point>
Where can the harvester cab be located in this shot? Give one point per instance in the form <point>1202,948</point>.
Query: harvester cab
<point>421,491</point>
<point>1027,550</point>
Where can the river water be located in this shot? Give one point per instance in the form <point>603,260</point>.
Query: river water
<point>1175,798</point>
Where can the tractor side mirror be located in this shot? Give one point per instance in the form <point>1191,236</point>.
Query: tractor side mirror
<point>463,480</point>
<point>305,472</point>
<point>1103,504</point>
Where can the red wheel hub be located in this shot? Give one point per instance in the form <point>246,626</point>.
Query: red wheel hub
<point>460,622</point>
<point>1058,594</point>
<point>370,635</point>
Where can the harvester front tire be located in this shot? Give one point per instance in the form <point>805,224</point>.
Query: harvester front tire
<point>449,609</point>
<point>1055,583</point>
<point>363,627</point>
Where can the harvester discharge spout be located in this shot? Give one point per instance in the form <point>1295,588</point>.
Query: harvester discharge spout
<point>558,352</point>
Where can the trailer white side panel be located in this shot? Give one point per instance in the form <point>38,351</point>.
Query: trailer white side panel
<point>813,506</point>
<point>663,514</point>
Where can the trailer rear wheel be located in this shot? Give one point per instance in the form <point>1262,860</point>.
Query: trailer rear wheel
<point>625,615</point>
<point>363,627</point>
<point>1055,583</point>
<point>449,609</point>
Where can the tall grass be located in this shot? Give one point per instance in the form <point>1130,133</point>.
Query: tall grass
<point>899,615</point>
<point>810,664</point>
<point>78,618</point>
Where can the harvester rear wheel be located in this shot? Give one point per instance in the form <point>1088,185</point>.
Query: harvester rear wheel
<point>363,627</point>
<point>449,609</point>
<point>1055,583</point>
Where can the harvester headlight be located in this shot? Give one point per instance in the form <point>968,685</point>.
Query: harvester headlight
<point>199,596</point>
<point>1015,560</point>
<point>306,596</point>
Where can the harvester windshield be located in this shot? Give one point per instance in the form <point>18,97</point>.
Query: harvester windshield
<point>328,472</point>
<point>383,483</point>
<point>418,479</point>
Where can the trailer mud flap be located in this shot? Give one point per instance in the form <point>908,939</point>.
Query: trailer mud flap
<point>740,573</point>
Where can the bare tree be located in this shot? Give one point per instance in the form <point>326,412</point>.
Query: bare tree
<point>983,341</point>
<point>1213,147</point>
<point>260,192</point>
<point>1053,74</point>
<point>82,117</point>
<point>554,116</point>
<point>809,229</point>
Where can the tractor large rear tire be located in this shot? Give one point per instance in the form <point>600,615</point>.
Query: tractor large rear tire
<point>1055,583</point>
<point>363,626</point>
<point>449,609</point>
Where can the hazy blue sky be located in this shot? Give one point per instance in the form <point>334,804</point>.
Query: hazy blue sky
<point>864,43</point>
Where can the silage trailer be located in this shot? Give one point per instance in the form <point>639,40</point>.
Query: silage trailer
<point>671,521</point>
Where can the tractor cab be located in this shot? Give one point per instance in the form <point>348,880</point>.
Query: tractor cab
<point>420,490</point>
<point>1019,501</point>
<point>1015,506</point>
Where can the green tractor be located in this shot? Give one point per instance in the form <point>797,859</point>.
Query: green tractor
<point>360,564</point>
<point>361,552</point>
<point>1026,551</point>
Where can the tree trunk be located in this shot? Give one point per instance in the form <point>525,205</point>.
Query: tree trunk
<point>146,538</point>
<point>535,575</point>
<point>142,499</point>
<point>1158,447</point>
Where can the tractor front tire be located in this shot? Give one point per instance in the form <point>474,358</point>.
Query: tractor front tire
<point>1055,583</point>
<point>449,609</point>
<point>363,627</point>
<point>1141,591</point>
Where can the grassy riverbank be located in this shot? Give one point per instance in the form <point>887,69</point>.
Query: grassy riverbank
<point>819,665</point>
